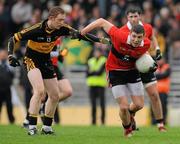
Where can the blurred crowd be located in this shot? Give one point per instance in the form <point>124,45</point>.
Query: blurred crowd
<point>164,15</point>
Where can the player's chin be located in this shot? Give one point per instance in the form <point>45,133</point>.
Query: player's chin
<point>135,44</point>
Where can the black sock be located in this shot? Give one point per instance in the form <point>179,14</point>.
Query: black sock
<point>127,126</point>
<point>160,121</point>
<point>47,120</point>
<point>32,120</point>
<point>132,112</point>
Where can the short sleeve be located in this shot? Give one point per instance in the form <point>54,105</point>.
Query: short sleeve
<point>116,35</point>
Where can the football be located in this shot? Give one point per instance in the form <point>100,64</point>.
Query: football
<point>144,63</point>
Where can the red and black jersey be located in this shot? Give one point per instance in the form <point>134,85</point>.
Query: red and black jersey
<point>121,43</point>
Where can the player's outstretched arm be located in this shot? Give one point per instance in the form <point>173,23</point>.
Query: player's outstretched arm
<point>12,60</point>
<point>99,23</point>
<point>75,34</point>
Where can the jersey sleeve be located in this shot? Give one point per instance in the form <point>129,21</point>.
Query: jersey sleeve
<point>66,30</point>
<point>117,36</point>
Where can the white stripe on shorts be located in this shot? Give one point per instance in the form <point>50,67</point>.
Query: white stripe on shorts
<point>130,89</point>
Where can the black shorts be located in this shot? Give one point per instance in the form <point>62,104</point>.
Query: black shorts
<point>41,61</point>
<point>148,77</point>
<point>123,77</point>
<point>59,74</point>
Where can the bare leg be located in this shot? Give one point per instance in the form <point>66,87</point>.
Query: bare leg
<point>137,103</point>
<point>123,112</point>
<point>155,101</point>
<point>66,88</point>
<point>36,81</point>
<point>54,94</point>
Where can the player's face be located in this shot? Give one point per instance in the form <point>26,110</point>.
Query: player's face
<point>136,39</point>
<point>133,18</point>
<point>58,21</point>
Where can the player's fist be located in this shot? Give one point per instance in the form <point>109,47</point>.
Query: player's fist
<point>158,54</point>
<point>75,34</point>
<point>153,68</point>
<point>13,61</point>
<point>105,40</point>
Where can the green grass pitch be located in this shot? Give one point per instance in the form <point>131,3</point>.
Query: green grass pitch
<point>14,134</point>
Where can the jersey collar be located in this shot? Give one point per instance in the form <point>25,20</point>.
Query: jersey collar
<point>130,26</point>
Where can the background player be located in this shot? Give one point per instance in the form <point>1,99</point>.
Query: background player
<point>149,79</point>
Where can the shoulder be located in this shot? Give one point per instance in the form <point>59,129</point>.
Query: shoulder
<point>147,26</point>
<point>124,28</point>
<point>117,31</point>
<point>33,27</point>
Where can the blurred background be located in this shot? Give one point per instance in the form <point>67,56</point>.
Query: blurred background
<point>163,15</point>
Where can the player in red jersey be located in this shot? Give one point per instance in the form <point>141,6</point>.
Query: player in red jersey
<point>148,79</point>
<point>123,77</point>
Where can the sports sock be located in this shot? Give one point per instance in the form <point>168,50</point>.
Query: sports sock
<point>47,121</point>
<point>32,121</point>
<point>132,112</point>
<point>160,122</point>
<point>126,126</point>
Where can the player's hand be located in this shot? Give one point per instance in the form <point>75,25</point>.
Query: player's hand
<point>105,40</point>
<point>158,54</point>
<point>13,61</point>
<point>75,34</point>
<point>154,67</point>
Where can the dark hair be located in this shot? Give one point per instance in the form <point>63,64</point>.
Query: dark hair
<point>54,11</point>
<point>139,29</point>
<point>133,9</point>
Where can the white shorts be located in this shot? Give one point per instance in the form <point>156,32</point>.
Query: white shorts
<point>129,89</point>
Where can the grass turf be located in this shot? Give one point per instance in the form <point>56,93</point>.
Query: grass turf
<point>14,134</point>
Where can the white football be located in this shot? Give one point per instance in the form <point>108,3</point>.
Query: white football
<point>144,63</point>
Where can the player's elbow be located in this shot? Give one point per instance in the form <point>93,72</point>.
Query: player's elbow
<point>101,22</point>
<point>11,40</point>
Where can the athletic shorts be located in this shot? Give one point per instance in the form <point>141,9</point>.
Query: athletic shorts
<point>148,78</point>
<point>126,83</point>
<point>41,61</point>
<point>123,77</point>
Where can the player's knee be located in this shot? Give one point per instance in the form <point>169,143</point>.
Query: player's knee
<point>154,96</point>
<point>40,92</point>
<point>139,106</point>
<point>54,96</point>
<point>68,92</point>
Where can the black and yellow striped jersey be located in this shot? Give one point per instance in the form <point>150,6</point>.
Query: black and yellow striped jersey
<point>40,37</point>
